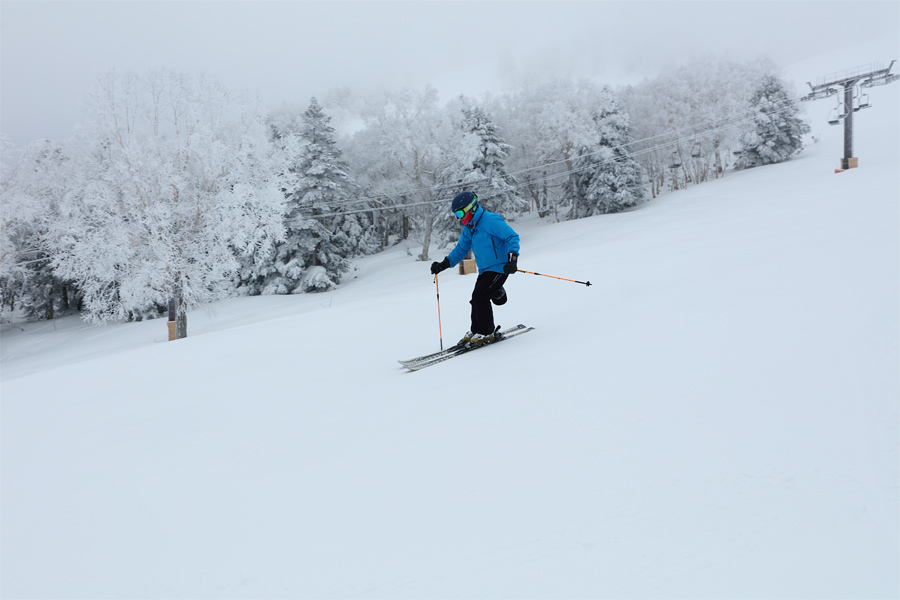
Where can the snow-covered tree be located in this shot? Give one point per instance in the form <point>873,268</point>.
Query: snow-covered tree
<point>546,124</point>
<point>607,179</point>
<point>314,253</point>
<point>177,174</point>
<point>684,119</point>
<point>29,202</point>
<point>777,132</point>
<point>495,187</point>
<point>412,144</point>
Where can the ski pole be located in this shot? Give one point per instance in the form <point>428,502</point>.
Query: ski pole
<point>585,283</point>
<point>437,290</point>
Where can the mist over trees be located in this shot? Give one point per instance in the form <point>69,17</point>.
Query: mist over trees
<point>177,188</point>
<point>687,121</point>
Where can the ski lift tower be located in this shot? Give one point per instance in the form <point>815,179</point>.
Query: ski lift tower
<point>851,81</point>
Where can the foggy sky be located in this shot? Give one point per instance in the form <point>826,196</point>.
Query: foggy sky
<point>51,53</point>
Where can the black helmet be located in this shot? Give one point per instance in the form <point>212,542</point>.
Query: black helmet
<point>464,203</point>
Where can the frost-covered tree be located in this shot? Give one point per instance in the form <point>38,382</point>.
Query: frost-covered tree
<point>607,179</point>
<point>547,124</point>
<point>22,204</point>
<point>375,178</point>
<point>30,192</point>
<point>412,146</point>
<point>495,187</point>
<point>777,132</point>
<point>23,201</point>
<point>684,119</point>
<point>177,173</point>
<point>314,253</point>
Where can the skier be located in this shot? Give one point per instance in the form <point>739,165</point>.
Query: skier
<point>496,248</point>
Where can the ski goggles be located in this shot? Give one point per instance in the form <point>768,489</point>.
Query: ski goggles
<point>462,212</point>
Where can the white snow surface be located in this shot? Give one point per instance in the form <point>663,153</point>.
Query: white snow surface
<point>715,417</point>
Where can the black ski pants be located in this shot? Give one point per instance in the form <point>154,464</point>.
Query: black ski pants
<point>486,287</point>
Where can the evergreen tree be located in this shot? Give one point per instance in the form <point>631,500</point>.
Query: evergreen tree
<point>314,253</point>
<point>607,179</point>
<point>498,193</point>
<point>475,162</point>
<point>777,132</point>
<point>359,232</point>
<point>29,202</point>
<point>45,296</point>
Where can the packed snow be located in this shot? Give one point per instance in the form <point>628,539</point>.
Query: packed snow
<point>715,417</point>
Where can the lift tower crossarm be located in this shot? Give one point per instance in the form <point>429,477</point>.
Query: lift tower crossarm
<point>852,76</point>
<point>870,75</point>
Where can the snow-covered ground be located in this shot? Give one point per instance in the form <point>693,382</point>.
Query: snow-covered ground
<point>715,417</point>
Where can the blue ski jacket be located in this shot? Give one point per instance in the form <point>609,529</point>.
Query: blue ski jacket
<point>490,238</point>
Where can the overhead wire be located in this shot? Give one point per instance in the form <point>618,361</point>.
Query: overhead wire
<point>675,137</point>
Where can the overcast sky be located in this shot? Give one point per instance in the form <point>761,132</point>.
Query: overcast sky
<point>52,52</point>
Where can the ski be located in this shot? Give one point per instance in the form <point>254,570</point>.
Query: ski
<point>439,357</point>
<point>450,350</point>
<point>428,357</point>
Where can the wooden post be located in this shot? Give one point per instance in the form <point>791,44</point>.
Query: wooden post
<point>171,323</point>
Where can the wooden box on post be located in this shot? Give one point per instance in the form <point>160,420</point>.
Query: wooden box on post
<point>467,266</point>
<point>171,323</point>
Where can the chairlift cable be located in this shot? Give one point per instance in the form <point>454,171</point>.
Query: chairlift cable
<point>681,135</point>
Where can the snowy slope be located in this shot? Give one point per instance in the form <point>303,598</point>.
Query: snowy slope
<point>716,417</point>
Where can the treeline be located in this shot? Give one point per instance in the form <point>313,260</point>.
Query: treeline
<point>175,188</point>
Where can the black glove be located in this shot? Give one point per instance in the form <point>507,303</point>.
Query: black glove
<point>511,267</point>
<point>437,267</point>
